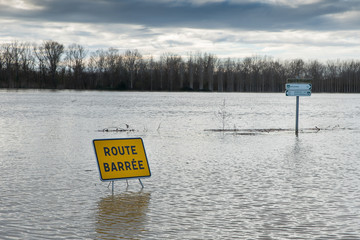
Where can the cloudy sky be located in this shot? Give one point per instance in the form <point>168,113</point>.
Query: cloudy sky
<point>284,29</point>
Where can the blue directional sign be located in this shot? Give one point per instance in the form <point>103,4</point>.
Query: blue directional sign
<point>298,86</point>
<point>301,93</point>
<point>298,89</point>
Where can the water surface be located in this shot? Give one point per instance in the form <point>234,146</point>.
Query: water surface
<point>204,184</point>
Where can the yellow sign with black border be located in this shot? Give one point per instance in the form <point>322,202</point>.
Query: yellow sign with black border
<point>121,158</point>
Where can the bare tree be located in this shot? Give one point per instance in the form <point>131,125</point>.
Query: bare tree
<point>172,64</point>
<point>75,58</point>
<point>1,67</point>
<point>132,59</point>
<point>17,59</point>
<point>238,80</point>
<point>200,70</point>
<point>182,74</point>
<point>220,77</point>
<point>210,61</point>
<point>49,56</point>
<point>27,64</point>
<point>113,60</point>
<point>97,67</point>
<point>229,68</point>
<point>315,70</point>
<point>7,59</point>
<point>190,64</point>
<point>152,72</point>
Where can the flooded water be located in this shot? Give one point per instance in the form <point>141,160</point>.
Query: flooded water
<point>204,184</point>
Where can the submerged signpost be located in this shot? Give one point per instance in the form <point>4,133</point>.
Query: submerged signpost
<point>121,158</point>
<point>298,87</point>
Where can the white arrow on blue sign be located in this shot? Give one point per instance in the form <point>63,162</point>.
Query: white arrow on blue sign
<point>298,92</point>
<point>298,86</point>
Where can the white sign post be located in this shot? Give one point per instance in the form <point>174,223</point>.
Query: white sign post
<point>298,87</point>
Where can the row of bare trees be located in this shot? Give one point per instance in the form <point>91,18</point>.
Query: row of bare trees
<point>52,65</point>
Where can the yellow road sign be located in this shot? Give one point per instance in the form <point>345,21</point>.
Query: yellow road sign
<point>121,158</point>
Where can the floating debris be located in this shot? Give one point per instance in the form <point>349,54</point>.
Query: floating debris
<point>246,134</point>
<point>118,129</point>
<point>259,130</point>
<point>272,130</point>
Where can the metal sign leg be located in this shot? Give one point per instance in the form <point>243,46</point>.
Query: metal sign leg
<point>297,116</point>
<point>142,186</point>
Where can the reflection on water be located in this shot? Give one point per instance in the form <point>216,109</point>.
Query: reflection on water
<point>122,215</point>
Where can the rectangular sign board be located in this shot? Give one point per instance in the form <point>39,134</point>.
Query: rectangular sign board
<point>121,158</point>
<point>298,86</point>
<point>303,93</point>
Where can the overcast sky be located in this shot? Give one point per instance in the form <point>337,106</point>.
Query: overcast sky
<point>284,29</point>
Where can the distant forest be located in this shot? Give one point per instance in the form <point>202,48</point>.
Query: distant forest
<point>51,65</point>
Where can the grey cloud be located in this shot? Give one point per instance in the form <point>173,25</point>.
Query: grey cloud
<point>215,15</point>
<point>178,43</point>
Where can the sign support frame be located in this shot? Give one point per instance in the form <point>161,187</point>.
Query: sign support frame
<point>127,185</point>
<point>142,186</point>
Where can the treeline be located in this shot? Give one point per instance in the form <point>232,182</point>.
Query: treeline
<point>51,65</point>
